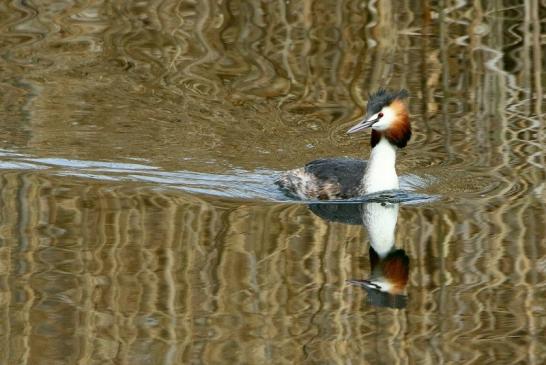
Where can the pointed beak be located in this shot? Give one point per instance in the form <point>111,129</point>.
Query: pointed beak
<point>364,124</point>
<point>364,283</point>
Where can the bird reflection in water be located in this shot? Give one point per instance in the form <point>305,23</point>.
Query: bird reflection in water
<point>386,286</point>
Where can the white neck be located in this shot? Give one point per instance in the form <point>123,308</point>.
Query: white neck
<point>380,222</point>
<point>381,170</point>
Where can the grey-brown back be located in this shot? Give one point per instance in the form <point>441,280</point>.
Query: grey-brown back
<point>346,172</point>
<point>328,178</point>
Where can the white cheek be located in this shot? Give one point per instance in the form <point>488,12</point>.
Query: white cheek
<point>386,121</point>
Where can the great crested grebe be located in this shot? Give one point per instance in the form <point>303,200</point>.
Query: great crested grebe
<point>342,178</point>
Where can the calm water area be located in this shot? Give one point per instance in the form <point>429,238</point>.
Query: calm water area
<point>139,142</point>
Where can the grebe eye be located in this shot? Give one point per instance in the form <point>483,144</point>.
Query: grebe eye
<point>380,115</point>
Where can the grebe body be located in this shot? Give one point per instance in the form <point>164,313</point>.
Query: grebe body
<point>343,178</point>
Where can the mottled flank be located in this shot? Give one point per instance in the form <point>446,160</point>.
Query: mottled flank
<point>303,185</point>
<point>325,179</point>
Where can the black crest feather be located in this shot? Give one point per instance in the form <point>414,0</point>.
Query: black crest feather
<point>383,97</point>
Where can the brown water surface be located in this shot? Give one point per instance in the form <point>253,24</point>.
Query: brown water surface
<point>138,145</point>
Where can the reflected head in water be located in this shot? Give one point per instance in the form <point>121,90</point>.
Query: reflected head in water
<point>386,285</point>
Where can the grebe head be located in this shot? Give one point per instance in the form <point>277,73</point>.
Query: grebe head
<point>388,116</point>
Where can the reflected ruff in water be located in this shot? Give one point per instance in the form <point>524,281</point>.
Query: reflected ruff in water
<point>109,265</point>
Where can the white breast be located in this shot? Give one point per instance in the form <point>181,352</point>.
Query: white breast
<point>381,170</point>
